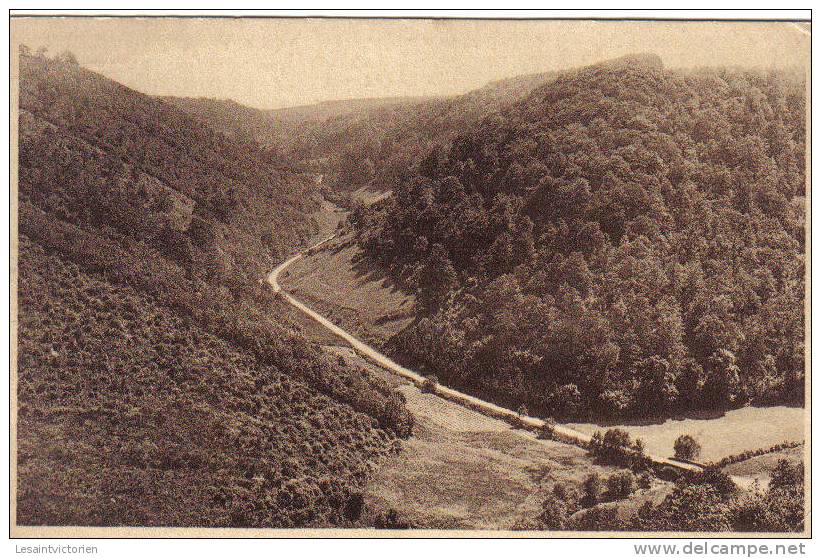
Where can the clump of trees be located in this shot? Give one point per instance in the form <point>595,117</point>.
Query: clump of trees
<point>749,454</point>
<point>618,486</point>
<point>616,447</point>
<point>687,448</point>
<point>706,502</point>
<point>650,221</point>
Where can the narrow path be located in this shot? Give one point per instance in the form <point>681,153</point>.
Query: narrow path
<point>560,433</point>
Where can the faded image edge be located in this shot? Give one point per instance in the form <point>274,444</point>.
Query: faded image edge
<point>409,278</point>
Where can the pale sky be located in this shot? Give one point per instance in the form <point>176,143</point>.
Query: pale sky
<point>272,63</point>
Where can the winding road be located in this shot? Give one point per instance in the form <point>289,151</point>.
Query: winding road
<point>560,433</point>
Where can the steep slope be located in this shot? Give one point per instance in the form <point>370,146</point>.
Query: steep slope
<point>238,121</point>
<point>626,240</point>
<point>154,385</point>
<point>138,151</point>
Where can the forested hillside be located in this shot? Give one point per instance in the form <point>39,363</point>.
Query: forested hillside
<point>626,240</point>
<point>154,385</point>
<point>391,140</point>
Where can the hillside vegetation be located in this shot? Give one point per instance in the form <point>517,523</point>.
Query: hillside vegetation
<point>154,386</point>
<point>625,240</point>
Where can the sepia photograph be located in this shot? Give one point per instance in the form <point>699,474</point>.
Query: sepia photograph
<point>280,275</point>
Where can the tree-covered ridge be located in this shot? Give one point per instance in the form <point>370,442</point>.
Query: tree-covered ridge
<point>391,139</point>
<point>626,240</point>
<point>90,147</point>
<point>282,130</point>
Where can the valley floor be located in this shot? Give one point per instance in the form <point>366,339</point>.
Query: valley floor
<point>464,470</point>
<point>720,434</point>
<point>341,285</point>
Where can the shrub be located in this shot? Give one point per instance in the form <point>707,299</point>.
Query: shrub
<point>397,418</point>
<point>787,474</point>
<point>554,514</point>
<point>391,520</point>
<point>596,442</point>
<point>430,383</point>
<point>353,507</point>
<point>645,480</point>
<point>548,429</point>
<point>600,518</point>
<point>686,447</point>
<point>621,485</point>
<point>567,493</point>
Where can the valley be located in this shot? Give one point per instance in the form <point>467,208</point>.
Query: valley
<point>564,301</point>
<point>337,281</point>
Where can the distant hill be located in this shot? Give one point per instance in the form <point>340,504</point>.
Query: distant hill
<point>276,128</point>
<point>389,140</point>
<point>362,141</point>
<point>155,385</point>
<point>333,109</point>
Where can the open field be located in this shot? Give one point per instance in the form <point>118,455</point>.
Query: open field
<point>339,284</point>
<point>733,432</point>
<point>326,218</point>
<point>760,468</point>
<point>461,469</point>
